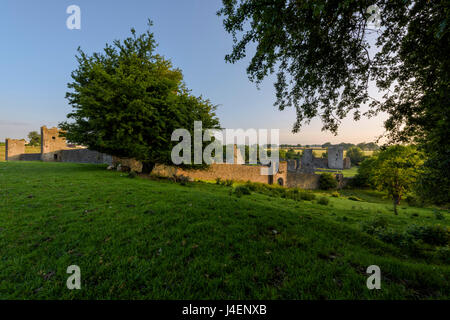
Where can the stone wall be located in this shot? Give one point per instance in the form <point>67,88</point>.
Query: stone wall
<point>227,171</point>
<point>84,156</point>
<point>223,171</point>
<point>302,180</point>
<point>13,149</point>
<point>292,165</point>
<point>347,163</point>
<point>320,163</point>
<point>307,165</point>
<point>280,177</point>
<point>30,157</point>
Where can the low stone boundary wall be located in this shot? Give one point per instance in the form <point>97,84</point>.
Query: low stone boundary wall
<point>214,171</point>
<point>30,157</point>
<point>308,181</point>
<point>85,156</point>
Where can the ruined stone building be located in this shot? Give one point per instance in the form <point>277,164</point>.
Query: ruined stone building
<point>54,147</point>
<point>310,164</point>
<point>291,173</point>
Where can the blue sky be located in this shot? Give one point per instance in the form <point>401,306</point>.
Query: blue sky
<point>38,55</point>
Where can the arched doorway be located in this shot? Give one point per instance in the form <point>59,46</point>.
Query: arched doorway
<point>280,181</point>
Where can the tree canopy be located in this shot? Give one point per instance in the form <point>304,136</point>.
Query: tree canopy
<point>356,155</point>
<point>395,171</point>
<point>34,138</point>
<point>321,53</point>
<point>128,100</point>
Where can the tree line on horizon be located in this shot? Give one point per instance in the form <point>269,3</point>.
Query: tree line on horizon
<point>369,146</point>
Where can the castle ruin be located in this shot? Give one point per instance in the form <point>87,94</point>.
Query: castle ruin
<point>310,164</point>
<point>291,173</point>
<point>54,148</point>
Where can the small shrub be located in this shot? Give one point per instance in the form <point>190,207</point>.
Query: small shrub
<point>436,235</point>
<point>276,190</point>
<point>438,215</point>
<point>251,186</point>
<point>443,254</point>
<point>132,175</point>
<point>413,201</point>
<point>377,223</point>
<point>308,196</point>
<point>183,180</point>
<point>327,181</point>
<point>242,190</point>
<point>335,194</point>
<point>258,187</point>
<point>323,201</point>
<point>218,181</point>
<point>389,235</point>
<point>229,182</point>
<point>296,194</point>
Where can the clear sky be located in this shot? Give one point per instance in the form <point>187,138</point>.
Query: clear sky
<point>38,54</point>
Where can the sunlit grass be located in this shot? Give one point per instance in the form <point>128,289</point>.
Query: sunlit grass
<point>147,239</point>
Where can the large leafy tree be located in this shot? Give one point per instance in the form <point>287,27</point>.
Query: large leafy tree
<point>128,100</point>
<point>320,51</point>
<point>395,170</point>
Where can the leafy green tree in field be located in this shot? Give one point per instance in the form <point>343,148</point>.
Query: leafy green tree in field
<point>325,64</point>
<point>366,169</point>
<point>356,155</point>
<point>396,170</point>
<point>434,184</point>
<point>34,139</point>
<point>127,101</point>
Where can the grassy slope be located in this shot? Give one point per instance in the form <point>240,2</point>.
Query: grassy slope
<point>138,238</point>
<point>348,173</point>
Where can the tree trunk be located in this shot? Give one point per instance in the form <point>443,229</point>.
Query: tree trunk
<point>147,167</point>
<point>396,202</point>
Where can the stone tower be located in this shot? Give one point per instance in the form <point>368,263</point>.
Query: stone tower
<point>52,144</point>
<point>336,157</point>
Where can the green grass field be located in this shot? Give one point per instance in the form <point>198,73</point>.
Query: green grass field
<point>28,149</point>
<point>148,239</point>
<point>348,173</point>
